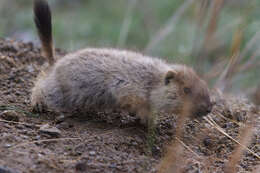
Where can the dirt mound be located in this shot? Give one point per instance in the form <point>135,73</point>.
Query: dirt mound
<point>105,142</point>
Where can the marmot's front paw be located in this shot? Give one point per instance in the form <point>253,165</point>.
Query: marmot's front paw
<point>39,108</point>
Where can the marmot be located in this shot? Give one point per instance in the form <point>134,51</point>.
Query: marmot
<point>100,79</point>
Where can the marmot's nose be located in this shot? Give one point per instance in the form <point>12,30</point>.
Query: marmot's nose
<point>209,108</point>
<point>204,109</point>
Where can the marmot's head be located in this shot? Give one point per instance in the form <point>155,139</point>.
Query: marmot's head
<point>183,89</point>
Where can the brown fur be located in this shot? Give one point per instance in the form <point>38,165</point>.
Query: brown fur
<point>100,79</point>
<point>256,96</point>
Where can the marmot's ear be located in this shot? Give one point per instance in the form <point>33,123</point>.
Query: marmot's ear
<point>170,75</point>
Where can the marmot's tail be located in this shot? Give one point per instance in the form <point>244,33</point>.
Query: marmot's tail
<point>42,19</point>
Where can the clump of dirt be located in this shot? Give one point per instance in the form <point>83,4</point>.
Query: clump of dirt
<point>105,142</point>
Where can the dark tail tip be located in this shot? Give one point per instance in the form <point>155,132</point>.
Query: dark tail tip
<point>43,22</point>
<point>42,19</point>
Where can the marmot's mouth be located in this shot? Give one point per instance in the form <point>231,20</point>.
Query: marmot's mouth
<point>203,111</point>
<point>200,114</point>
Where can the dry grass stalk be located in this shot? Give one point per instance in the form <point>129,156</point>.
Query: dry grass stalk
<point>173,159</point>
<point>235,66</point>
<point>26,124</point>
<point>168,27</point>
<point>217,5</point>
<point>251,62</point>
<point>201,16</point>
<point>235,49</point>
<point>148,16</point>
<point>187,147</point>
<point>215,70</point>
<point>202,11</point>
<point>236,42</point>
<point>249,45</point>
<point>226,76</point>
<point>236,155</point>
<point>256,95</point>
<point>17,109</point>
<point>222,80</point>
<point>216,126</point>
<point>228,119</point>
<point>126,23</point>
<point>44,140</point>
<point>209,42</point>
<point>221,32</point>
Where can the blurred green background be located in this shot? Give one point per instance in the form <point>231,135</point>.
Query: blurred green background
<point>217,37</point>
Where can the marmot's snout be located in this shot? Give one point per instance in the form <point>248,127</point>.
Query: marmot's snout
<point>203,109</point>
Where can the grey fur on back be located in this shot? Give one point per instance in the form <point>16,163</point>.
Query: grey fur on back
<point>98,78</point>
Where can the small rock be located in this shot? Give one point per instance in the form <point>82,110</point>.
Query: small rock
<point>4,169</point>
<point>113,165</point>
<point>10,115</point>
<point>134,143</point>
<point>7,146</point>
<point>20,126</point>
<point>80,166</point>
<point>207,142</point>
<point>30,68</point>
<point>7,126</point>
<point>92,153</point>
<point>53,131</point>
<point>63,125</point>
<point>60,118</point>
<point>38,137</point>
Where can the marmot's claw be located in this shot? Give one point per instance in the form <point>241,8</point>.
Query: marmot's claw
<point>39,108</point>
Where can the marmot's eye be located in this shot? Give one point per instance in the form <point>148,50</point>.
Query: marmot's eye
<point>187,90</point>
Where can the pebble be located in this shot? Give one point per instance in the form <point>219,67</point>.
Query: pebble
<point>10,115</point>
<point>4,169</point>
<point>63,125</point>
<point>60,118</point>
<point>47,129</point>
<point>30,68</point>
<point>20,126</point>
<point>207,142</point>
<point>113,165</point>
<point>7,146</point>
<point>81,166</point>
<point>92,153</point>
<point>38,137</point>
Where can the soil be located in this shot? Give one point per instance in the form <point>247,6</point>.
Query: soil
<point>108,142</point>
